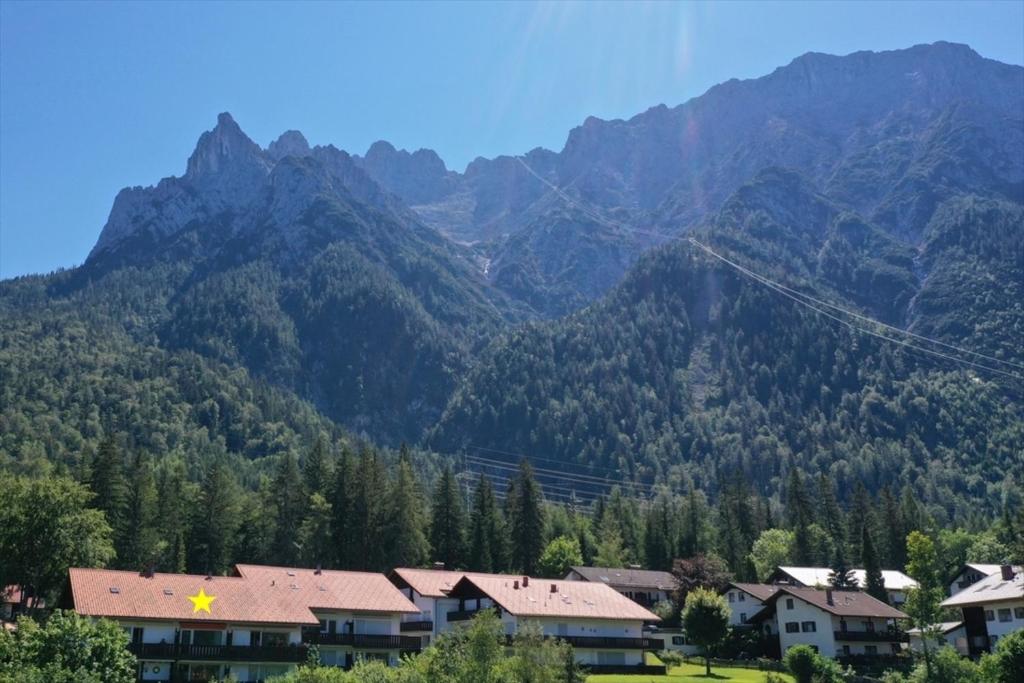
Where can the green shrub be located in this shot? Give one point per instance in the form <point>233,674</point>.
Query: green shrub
<point>802,662</point>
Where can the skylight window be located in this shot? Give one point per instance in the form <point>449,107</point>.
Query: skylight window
<point>168,591</point>
<point>115,590</point>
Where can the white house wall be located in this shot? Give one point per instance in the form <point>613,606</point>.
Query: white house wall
<point>821,638</point>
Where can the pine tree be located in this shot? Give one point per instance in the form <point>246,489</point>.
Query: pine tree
<point>487,552</point>
<point>526,520</point>
<point>860,519</point>
<point>342,501</point>
<point>291,506</point>
<point>111,489</point>
<point>874,582</point>
<point>316,471</point>
<point>407,542</point>
<point>315,532</point>
<point>447,522</point>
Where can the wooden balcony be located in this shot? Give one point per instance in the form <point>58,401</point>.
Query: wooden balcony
<point>462,614</point>
<point>871,636</point>
<point>218,653</point>
<point>363,640</point>
<point>417,626</point>
<point>626,669</point>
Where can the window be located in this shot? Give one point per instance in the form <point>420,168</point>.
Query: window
<point>871,649</point>
<point>742,597</point>
<point>869,626</point>
<point>792,627</point>
<point>1018,612</point>
<point>990,615</point>
<point>789,603</point>
<point>1005,615</point>
<point>846,650</point>
<point>678,640</point>
<point>743,617</point>
<point>808,627</point>
<point>732,597</point>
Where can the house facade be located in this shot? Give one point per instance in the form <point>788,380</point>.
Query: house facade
<point>970,574</point>
<point>645,587</point>
<point>896,583</point>
<point>605,628</point>
<point>950,633</point>
<point>428,589</point>
<point>253,625</point>
<point>745,601</point>
<point>992,608</point>
<point>847,625</point>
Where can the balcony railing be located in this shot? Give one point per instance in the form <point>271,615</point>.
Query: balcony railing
<point>604,643</point>
<point>219,653</point>
<point>872,636</point>
<point>365,640</point>
<point>422,625</point>
<point>619,669</point>
<point>462,614</point>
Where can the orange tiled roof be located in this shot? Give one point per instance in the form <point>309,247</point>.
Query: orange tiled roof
<point>247,598</point>
<point>433,583</point>
<point>328,590</point>
<point>570,599</point>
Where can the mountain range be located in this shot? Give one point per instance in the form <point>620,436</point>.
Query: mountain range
<point>552,303</point>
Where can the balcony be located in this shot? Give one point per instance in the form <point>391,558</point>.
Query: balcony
<point>872,636</point>
<point>363,640</point>
<point>462,614</point>
<point>218,653</point>
<point>620,669</point>
<point>602,643</point>
<point>417,626</point>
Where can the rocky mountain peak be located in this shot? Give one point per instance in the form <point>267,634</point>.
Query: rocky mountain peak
<point>224,147</point>
<point>291,143</point>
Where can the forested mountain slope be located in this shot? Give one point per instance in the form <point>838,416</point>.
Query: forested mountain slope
<point>690,370</point>
<point>268,295</point>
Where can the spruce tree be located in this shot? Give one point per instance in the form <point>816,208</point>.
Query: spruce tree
<point>406,540</point>
<point>368,513</point>
<point>138,546</point>
<point>860,519</point>
<point>291,507</point>
<point>447,522</point>
<point>487,541</point>
<point>842,576</point>
<point>215,525</point>
<point>111,489</point>
<point>173,512</point>
<point>800,517</point>
<point>342,501</point>
<point>895,531</point>
<point>873,580</point>
<point>316,471</point>
<point>526,520</point>
<point>659,535</point>
<point>831,514</point>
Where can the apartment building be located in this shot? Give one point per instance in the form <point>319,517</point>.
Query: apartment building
<point>896,582</point>
<point>970,574</point>
<point>255,624</point>
<point>646,587</point>
<point>428,590</point>
<point>746,600</point>
<point>605,628</point>
<point>845,624</point>
<point>992,608</point>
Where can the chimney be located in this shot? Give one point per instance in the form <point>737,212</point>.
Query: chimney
<point>149,571</point>
<point>439,566</point>
<point>515,585</point>
<point>633,566</point>
<point>554,588</point>
<point>1007,572</point>
<point>526,582</point>
<point>828,596</point>
<point>319,569</point>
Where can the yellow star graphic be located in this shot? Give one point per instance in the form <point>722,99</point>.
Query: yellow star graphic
<point>201,602</point>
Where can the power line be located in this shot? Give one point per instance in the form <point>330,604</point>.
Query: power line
<point>771,284</point>
<point>854,314</point>
<point>577,478</point>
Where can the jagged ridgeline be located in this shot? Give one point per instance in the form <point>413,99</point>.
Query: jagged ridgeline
<point>549,304</point>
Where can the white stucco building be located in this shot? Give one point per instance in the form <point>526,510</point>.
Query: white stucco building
<point>992,608</point>
<point>896,582</point>
<point>837,623</point>
<point>253,625</point>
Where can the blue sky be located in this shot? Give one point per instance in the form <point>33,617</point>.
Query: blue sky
<point>98,96</point>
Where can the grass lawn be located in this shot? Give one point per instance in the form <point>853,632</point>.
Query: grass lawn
<point>688,673</point>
